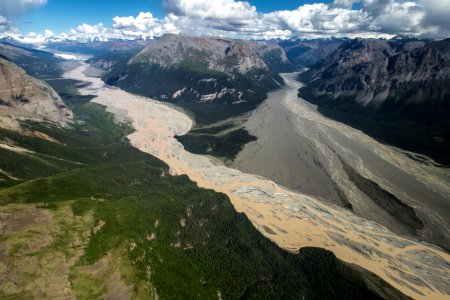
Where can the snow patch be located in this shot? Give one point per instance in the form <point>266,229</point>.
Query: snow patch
<point>217,95</point>
<point>178,93</point>
<point>207,80</point>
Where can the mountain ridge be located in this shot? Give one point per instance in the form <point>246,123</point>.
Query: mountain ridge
<point>403,84</point>
<point>199,73</point>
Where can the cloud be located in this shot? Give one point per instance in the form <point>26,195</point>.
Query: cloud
<point>320,19</point>
<point>145,25</point>
<point>48,33</point>
<point>401,18</point>
<point>6,26</point>
<point>211,10</point>
<point>375,7</point>
<point>90,29</point>
<point>374,18</point>
<point>4,23</point>
<point>240,19</point>
<point>14,7</point>
<point>344,3</point>
<point>437,15</point>
<point>10,8</point>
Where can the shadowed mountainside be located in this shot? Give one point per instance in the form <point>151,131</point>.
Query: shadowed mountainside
<point>397,91</point>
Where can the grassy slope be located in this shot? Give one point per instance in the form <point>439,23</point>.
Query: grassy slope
<point>164,231</point>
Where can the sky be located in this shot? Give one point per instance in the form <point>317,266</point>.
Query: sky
<point>37,20</point>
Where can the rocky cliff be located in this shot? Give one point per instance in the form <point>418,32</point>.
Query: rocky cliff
<point>404,85</point>
<point>23,97</point>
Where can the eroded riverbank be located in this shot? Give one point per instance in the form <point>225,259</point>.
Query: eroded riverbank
<point>290,219</point>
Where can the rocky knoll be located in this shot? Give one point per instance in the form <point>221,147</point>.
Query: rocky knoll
<point>23,97</point>
<point>397,90</point>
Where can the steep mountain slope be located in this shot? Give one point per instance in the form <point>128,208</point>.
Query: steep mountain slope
<point>307,53</point>
<point>109,61</point>
<point>23,97</point>
<point>396,90</point>
<point>35,62</point>
<point>274,56</point>
<point>199,70</point>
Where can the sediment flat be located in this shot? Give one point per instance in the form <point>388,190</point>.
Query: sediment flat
<point>291,219</point>
<point>301,149</point>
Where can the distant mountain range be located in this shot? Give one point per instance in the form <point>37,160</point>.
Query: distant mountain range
<point>35,62</point>
<point>307,53</point>
<point>397,90</point>
<point>97,47</point>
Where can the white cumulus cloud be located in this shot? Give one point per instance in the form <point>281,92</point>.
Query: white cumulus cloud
<point>211,10</point>
<point>90,29</point>
<point>4,24</point>
<point>6,28</point>
<point>145,25</point>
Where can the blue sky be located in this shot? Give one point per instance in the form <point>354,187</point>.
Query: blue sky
<point>255,19</point>
<point>62,15</point>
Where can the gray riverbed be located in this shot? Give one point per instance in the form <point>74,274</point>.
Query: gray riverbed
<point>305,151</point>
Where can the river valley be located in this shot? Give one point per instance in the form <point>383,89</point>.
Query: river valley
<point>295,219</point>
<point>301,149</point>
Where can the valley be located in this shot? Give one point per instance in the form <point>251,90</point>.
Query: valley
<point>85,214</point>
<point>225,149</point>
<point>292,220</point>
<point>303,150</point>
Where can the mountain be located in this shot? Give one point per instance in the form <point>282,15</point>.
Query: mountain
<point>307,53</point>
<point>274,56</point>
<point>23,97</point>
<point>97,46</point>
<point>108,53</point>
<point>12,41</point>
<point>397,90</point>
<point>112,60</point>
<point>194,71</point>
<point>35,62</point>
